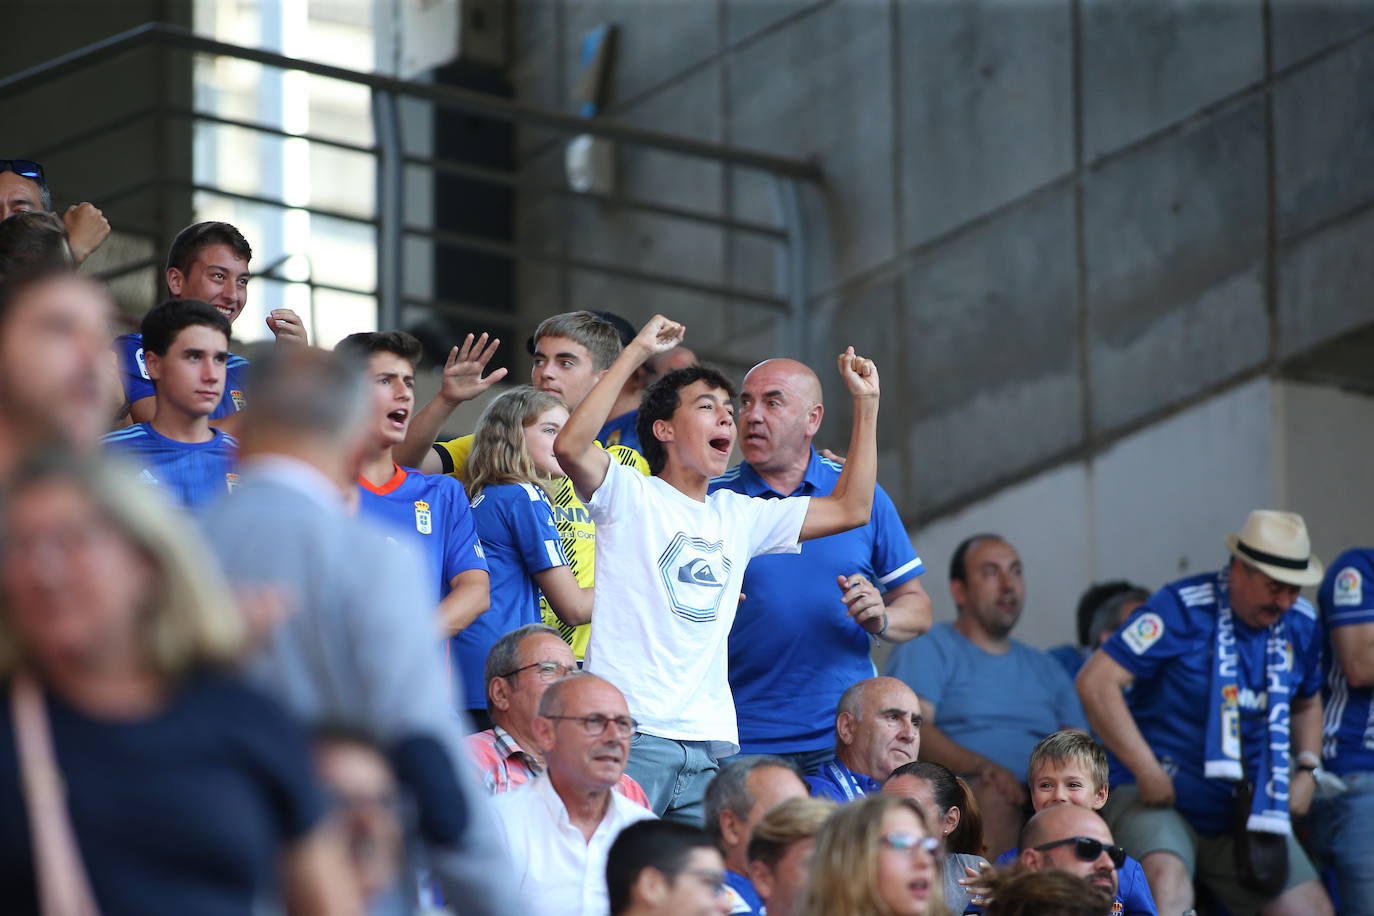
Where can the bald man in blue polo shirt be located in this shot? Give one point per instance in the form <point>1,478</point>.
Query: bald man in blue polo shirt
<point>808,620</point>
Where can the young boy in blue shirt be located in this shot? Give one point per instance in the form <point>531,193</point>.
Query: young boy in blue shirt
<point>186,353</point>
<point>430,510</point>
<point>1070,768</point>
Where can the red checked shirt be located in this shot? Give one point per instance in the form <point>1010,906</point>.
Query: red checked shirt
<point>504,766</point>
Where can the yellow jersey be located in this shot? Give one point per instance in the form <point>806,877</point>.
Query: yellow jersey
<point>570,517</point>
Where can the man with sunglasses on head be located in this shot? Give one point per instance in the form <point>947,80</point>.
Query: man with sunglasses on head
<point>207,261</point>
<point>519,669</point>
<point>558,829</point>
<point>24,187</point>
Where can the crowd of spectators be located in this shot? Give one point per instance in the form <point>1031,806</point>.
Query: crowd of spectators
<point>267,646</point>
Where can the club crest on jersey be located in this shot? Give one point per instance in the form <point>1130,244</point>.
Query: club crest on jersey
<point>238,398</point>
<point>231,482</point>
<point>1143,632</point>
<point>1118,908</point>
<point>1349,590</point>
<point>424,520</point>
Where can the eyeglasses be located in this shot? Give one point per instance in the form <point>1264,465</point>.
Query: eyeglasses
<point>714,880</point>
<point>907,842</point>
<point>24,168</point>
<point>548,671</point>
<point>596,723</point>
<point>1087,849</point>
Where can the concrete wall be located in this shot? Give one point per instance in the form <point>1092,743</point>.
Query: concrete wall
<point>1156,505</point>
<point>1052,222</point>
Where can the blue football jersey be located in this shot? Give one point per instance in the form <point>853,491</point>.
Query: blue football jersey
<point>431,511</point>
<point>1169,645</point>
<point>194,474</point>
<point>515,523</point>
<point>137,386</point>
<point>1346,598</point>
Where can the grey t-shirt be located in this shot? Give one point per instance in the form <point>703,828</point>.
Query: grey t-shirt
<point>957,897</point>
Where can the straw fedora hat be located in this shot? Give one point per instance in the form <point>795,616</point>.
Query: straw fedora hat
<point>1276,543</point>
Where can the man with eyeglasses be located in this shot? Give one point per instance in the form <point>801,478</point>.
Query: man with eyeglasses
<point>664,868</point>
<point>1075,840</point>
<point>519,669</point>
<point>558,828</point>
<point>23,188</point>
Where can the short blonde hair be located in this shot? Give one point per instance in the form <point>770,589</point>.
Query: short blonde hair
<point>192,620</point>
<point>499,455</point>
<point>844,863</point>
<point>1069,745</point>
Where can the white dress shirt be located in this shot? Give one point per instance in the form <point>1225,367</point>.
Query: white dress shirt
<point>559,872</point>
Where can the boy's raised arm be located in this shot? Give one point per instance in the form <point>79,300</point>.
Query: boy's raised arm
<point>575,448</point>
<point>851,502</point>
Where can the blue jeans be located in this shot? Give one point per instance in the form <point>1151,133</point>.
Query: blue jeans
<point>674,774</point>
<point>1343,838</point>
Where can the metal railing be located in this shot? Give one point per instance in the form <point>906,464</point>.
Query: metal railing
<point>787,299</point>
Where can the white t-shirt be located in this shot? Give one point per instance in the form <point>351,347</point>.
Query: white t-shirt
<point>668,577</point>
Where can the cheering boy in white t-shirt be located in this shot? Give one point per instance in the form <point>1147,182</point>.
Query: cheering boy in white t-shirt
<point>670,559</point>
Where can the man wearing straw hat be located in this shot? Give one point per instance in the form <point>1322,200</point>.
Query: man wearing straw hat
<point>1215,745</point>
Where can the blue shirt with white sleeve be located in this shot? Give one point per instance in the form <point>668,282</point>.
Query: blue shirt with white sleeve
<point>515,523</point>
<point>1346,598</point>
<point>1169,645</point>
<point>793,648</point>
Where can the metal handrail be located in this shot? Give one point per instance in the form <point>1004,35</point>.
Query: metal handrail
<point>461,99</point>
<point>392,160</point>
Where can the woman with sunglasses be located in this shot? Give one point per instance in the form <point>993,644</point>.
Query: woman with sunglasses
<point>181,791</point>
<point>876,857</point>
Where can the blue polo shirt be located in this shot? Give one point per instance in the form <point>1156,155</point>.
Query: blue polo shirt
<point>137,385</point>
<point>1168,645</point>
<point>793,648</point>
<point>621,430</point>
<point>1346,598</point>
<point>515,523</point>
<point>838,782</point>
<point>194,474</point>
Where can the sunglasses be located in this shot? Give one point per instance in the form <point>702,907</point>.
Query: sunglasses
<point>1087,849</point>
<point>24,168</point>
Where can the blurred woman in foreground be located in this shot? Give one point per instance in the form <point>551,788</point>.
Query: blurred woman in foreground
<point>151,780</point>
<point>876,857</point>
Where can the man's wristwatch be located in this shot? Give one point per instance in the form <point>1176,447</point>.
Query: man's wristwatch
<point>1308,761</point>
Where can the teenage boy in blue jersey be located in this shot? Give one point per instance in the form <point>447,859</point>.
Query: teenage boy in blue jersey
<point>1342,822</point>
<point>430,510</point>
<point>1224,671</point>
<point>671,556</point>
<point>808,621</point>
<point>186,351</point>
<point>207,261</point>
